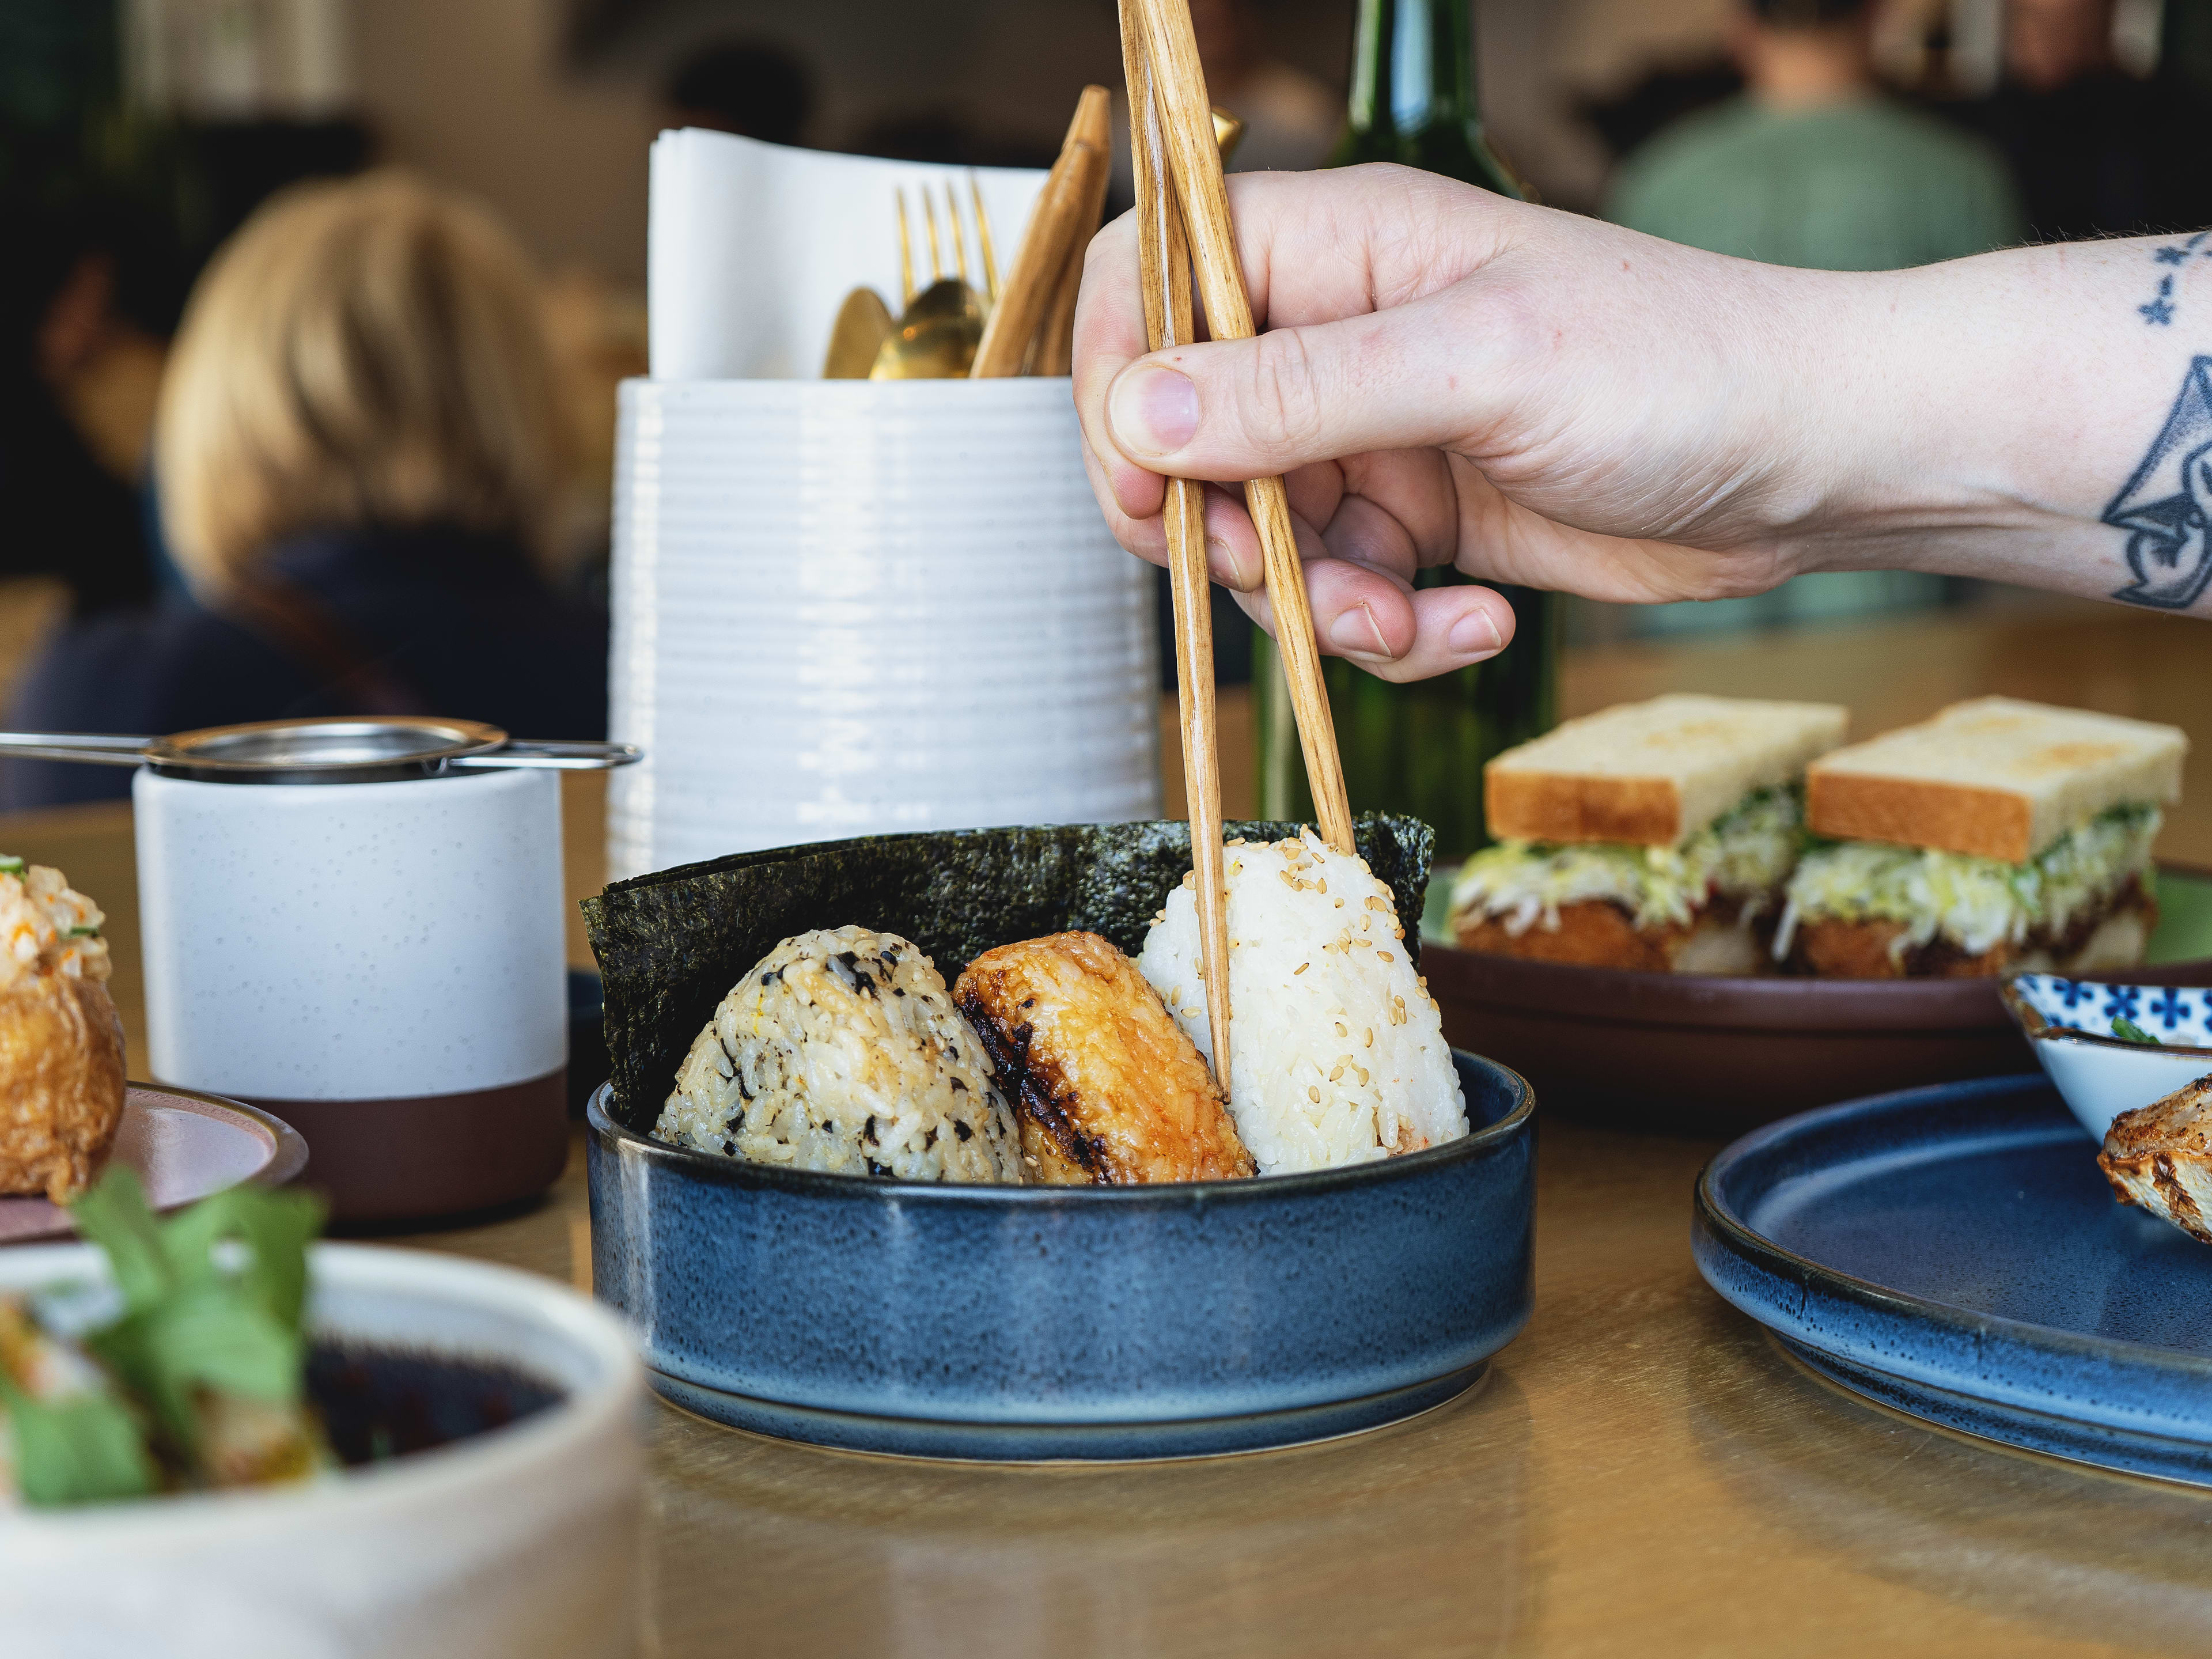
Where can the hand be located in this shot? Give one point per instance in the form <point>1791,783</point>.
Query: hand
<point>1447,377</point>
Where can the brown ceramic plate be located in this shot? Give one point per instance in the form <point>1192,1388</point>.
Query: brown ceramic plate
<point>1709,1055</point>
<point>182,1146</point>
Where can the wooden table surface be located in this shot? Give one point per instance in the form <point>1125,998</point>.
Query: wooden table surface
<point>1641,1471</point>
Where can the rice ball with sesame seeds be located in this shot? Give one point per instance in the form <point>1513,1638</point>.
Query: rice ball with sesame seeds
<point>1337,1051</point>
<point>841,1051</point>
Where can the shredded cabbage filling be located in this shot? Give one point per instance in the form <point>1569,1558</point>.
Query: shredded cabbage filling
<point>1743,854</point>
<point>1974,903</point>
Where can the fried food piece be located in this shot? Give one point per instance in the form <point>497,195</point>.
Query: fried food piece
<point>61,1084</point>
<point>2111,937</point>
<point>1600,933</point>
<point>2160,1155</point>
<point>1106,1087</point>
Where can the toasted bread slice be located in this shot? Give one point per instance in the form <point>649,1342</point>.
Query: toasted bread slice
<point>1652,774</point>
<point>1994,777</point>
<point>2160,1155</point>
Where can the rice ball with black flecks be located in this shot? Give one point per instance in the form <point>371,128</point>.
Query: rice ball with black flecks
<point>841,1051</point>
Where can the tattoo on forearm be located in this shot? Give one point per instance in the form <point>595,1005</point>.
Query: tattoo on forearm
<point>2166,507</point>
<point>2158,310</point>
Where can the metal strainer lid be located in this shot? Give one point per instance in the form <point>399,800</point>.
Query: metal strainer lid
<point>321,750</point>
<point>380,748</point>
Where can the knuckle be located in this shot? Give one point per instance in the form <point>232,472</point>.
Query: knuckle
<point>1281,397</point>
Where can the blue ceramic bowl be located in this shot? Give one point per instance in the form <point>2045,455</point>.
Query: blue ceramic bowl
<point>1048,1322</point>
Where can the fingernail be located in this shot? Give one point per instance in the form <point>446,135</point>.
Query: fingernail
<point>1221,560</point>
<point>1476,636</point>
<point>1357,632</point>
<point>1152,410</point>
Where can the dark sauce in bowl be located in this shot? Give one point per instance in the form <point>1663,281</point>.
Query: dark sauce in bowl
<point>381,1403</point>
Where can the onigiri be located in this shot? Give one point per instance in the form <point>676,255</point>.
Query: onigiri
<point>841,1051</point>
<point>1337,1051</point>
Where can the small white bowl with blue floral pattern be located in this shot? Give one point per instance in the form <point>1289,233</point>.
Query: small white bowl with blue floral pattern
<point>2110,1048</point>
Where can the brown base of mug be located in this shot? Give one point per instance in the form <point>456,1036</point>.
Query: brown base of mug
<point>421,1156</point>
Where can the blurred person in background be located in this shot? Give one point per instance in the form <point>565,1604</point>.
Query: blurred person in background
<point>1815,167</point>
<point>2095,150</point>
<point>69,513</point>
<point>357,446</point>
<point>746,86</point>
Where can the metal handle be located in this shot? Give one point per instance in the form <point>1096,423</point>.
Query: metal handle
<point>549,756</point>
<point>101,749</point>
<point>98,749</point>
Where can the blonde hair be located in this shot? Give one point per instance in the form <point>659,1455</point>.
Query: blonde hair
<point>364,352</point>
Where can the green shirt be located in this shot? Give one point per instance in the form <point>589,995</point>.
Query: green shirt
<point>1864,185</point>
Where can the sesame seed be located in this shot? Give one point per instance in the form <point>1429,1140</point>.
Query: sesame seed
<point>1340,1032</point>
<point>1371,1037</point>
<point>1323,884</point>
<point>1384,956</point>
<point>1313,1093</point>
<point>1300,968</point>
<point>1337,1072</point>
<point>1374,904</point>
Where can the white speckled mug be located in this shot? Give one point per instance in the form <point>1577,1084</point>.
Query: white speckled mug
<point>380,963</point>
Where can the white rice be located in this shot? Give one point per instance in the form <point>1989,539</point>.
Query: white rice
<point>1337,1052</point>
<point>841,1052</point>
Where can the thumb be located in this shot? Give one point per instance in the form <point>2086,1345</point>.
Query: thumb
<point>1230,409</point>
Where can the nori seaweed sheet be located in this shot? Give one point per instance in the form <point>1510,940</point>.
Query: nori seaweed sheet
<point>671,945</point>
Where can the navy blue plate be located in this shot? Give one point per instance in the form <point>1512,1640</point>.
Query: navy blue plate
<point>1069,1322</point>
<point>1955,1253</point>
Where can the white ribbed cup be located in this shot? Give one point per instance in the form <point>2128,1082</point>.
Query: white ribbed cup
<point>844,607</point>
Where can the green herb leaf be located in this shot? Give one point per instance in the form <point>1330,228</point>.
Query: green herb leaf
<point>275,1228</point>
<point>211,1337</point>
<point>2127,1031</point>
<point>215,1338</point>
<point>128,1350</point>
<point>115,1216</point>
<point>84,1449</point>
<point>11,864</point>
<point>84,931</point>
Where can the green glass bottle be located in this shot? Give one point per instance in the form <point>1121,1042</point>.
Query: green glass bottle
<point>1418,748</point>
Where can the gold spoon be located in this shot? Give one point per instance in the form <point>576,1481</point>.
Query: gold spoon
<point>863,323</point>
<point>936,337</point>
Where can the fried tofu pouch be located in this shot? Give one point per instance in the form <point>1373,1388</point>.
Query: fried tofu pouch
<point>1106,1087</point>
<point>61,1040</point>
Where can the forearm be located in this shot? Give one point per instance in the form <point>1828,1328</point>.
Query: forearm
<point>2033,416</point>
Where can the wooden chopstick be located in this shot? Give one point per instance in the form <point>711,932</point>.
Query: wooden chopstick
<point>1055,224</point>
<point>1163,261</point>
<point>1055,353</point>
<point>1187,120</point>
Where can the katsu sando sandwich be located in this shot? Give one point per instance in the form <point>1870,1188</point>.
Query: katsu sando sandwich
<point>1656,835</point>
<point>1998,836</point>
